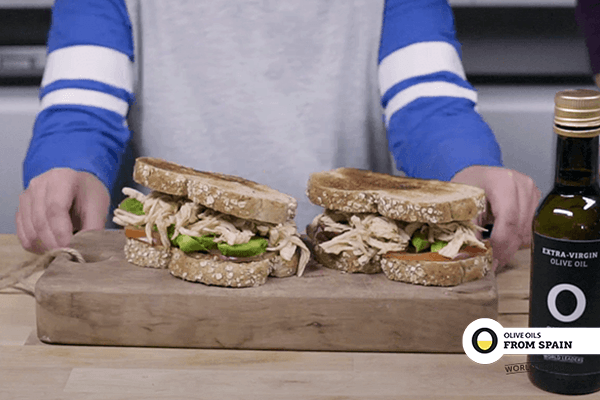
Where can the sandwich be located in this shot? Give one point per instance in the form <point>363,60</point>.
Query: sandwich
<point>208,227</point>
<point>415,231</point>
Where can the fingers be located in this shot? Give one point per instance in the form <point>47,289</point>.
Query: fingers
<point>51,198</point>
<point>32,228</point>
<point>513,199</point>
<point>25,230</point>
<point>43,220</point>
<point>506,235</point>
<point>58,202</point>
<point>529,198</point>
<point>53,202</point>
<point>505,238</point>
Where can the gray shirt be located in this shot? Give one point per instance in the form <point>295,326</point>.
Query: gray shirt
<point>203,69</point>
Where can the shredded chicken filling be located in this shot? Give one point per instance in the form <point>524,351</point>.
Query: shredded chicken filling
<point>195,220</point>
<point>366,235</point>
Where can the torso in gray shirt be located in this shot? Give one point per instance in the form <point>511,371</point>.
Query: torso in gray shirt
<point>267,90</point>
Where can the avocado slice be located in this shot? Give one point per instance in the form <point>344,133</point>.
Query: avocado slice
<point>419,240</point>
<point>189,244</point>
<point>438,245</point>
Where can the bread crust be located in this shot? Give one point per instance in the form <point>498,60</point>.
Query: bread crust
<point>400,198</point>
<point>224,193</point>
<point>144,255</point>
<point>437,273</point>
<point>210,270</point>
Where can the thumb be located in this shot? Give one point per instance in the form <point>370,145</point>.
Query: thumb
<point>93,217</point>
<point>91,204</point>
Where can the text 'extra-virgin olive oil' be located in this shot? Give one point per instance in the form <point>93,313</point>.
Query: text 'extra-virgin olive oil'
<point>565,253</point>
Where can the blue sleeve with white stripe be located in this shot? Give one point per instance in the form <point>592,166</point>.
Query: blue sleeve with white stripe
<point>433,128</point>
<point>86,91</point>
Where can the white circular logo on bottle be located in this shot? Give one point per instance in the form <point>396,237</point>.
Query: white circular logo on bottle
<point>579,296</point>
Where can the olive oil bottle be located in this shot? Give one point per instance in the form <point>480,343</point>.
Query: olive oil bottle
<point>565,253</point>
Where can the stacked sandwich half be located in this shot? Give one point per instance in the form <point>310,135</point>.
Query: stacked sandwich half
<point>415,231</point>
<point>207,227</point>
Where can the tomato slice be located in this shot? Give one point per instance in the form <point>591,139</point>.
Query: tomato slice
<point>134,232</point>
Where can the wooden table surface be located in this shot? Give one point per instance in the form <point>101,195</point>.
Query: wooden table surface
<point>30,369</point>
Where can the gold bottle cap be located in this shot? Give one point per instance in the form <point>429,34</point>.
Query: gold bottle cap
<point>577,113</point>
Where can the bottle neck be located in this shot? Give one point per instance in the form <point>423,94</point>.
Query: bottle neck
<point>576,161</point>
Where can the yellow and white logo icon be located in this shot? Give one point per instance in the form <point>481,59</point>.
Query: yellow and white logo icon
<point>485,340</point>
<point>481,339</point>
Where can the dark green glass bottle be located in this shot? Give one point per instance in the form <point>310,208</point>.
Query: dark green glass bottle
<point>565,253</point>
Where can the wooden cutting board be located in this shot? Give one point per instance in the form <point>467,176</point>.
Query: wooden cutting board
<point>108,301</point>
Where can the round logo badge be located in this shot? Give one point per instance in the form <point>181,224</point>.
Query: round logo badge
<point>480,341</point>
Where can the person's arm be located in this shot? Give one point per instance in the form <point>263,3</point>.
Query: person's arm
<point>434,130</point>
<point>80,134</point>
<point>587,14</point>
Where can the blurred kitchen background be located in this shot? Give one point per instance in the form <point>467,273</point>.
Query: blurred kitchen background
<point>517,53</point>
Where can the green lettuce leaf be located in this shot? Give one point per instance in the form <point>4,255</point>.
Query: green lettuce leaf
<point>133,206</point>
<point>189,244</point>
<point>256,245</point>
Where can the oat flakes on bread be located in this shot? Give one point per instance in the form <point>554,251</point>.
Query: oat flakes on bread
<point>400,198</point>
<point>210,270</point>
<point>414,230</point>
<point>227,194</point>
<point>438,271</point>
<point>209,227</point>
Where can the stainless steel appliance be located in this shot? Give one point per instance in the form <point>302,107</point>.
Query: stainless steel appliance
<point>23,33</point>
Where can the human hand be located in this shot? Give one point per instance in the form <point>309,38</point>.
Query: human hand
<point>55,204</point>
<point>512,200</point>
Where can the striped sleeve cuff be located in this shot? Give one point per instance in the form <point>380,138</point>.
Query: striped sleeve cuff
<point>425,69</point>
<point>416,60</point>
<point>92,76</point>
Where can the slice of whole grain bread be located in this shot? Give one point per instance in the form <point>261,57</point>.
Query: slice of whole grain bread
<point>224,193</point>
<point>397,267</point>
<point>401,198</point>
<point>145,255</point>
<point>210,270</point>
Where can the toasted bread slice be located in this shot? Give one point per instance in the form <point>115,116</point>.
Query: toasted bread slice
<point>430,271</point>
<point>145,255</point>
<point>224,193</point>
<point>210,270</point>
<point>406,199</point>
